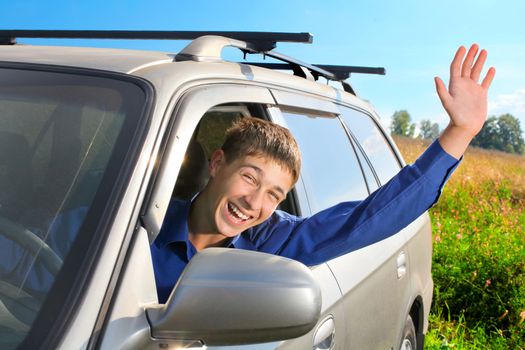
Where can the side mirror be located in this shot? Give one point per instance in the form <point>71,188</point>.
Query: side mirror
<point>232,296</point>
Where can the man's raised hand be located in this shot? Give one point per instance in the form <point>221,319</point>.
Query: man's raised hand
<point>465,100</point>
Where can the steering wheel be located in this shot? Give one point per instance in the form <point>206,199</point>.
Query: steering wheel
<point>17,307</point>
<point>34,244</point>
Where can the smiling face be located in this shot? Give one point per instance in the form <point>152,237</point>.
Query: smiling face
<point>242,193</point>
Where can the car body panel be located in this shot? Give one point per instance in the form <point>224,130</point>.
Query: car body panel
<point>115,60</point>
<point>369,279</point>
<point>419,244</point>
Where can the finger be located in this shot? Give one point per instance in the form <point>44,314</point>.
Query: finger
<point>455,66</point>
<point>478,66</point>
<point>442,92</point>
<point>467,64</point>
<point>488,78</point>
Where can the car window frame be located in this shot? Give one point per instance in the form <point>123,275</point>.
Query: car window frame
<point>297,197</point>
<point>361,155</point>
<point>388,140</point>
<point>322,109</point>
<point>194,102</point>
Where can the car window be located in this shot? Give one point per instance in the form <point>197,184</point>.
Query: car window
<point>207,137</point>
<point>373,142</point>
<point>58,132</point>
<point>371,180</point>
<point>330,168</point>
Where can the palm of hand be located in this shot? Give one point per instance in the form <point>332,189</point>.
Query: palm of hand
<point>466,99</point>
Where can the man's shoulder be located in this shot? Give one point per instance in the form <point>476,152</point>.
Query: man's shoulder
<point>178,210</point>
<point>178,204</point>
<point>278,220</point>
<point>175,221</point>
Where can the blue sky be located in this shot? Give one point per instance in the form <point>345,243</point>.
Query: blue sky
<point>413,40</point>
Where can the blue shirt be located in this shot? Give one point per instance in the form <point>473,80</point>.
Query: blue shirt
<point>335,231</point>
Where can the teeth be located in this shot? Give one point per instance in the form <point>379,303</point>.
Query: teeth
<point>237,212</point>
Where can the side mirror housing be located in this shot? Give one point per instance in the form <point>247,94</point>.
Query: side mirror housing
<point>232,296</point>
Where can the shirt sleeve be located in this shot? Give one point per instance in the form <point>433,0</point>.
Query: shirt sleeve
<point>353,225</point>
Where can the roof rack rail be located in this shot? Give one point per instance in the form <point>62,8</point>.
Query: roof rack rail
<point>340,72</point>
<point>329,72</point>
<point>337,73</point>
<point>260,41</point>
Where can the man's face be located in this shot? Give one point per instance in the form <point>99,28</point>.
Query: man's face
<point>244,192</point>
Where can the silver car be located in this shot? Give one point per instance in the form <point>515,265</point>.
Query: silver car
<point>95,142</point>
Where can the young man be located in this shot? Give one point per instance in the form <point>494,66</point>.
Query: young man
<point>260,162</point>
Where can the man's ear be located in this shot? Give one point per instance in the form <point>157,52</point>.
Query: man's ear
<point>217,159</point>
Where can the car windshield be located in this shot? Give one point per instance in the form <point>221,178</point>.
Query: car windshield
<point>58,134</point>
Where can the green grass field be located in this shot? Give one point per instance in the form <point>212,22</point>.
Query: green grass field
<point>479,252</point>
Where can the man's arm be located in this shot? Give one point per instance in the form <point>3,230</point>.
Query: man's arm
<point>465,101</point>
<point>353,225</point>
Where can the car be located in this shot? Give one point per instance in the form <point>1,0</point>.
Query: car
<point>94,143</point>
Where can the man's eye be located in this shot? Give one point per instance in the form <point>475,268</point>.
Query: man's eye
<point>274,196</point>
<point>249,178</point>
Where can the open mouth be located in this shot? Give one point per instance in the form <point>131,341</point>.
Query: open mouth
<point>237,214</point>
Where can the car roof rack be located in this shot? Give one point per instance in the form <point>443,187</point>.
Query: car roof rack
<point>208,45</point>
<point>260,41</point>
<point>209,48</point>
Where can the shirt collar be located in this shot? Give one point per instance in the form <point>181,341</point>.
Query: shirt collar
<point>233,240</point>
<point>175,225</point>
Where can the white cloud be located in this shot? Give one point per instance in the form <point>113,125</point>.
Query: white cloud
<point>513,103</point>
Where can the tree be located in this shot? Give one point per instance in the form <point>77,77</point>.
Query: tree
<point>511,134</point>
<point>428,130</point>
<point>401,124</point>
<point>502,133</point>
<point>488,136</point>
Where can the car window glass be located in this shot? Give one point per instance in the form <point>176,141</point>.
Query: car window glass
<point>370,178</point>
<point>373,142</point>
<point>57,134</point>
<point>330,168</point>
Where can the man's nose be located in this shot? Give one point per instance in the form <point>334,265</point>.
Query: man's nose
<point>254,199</point>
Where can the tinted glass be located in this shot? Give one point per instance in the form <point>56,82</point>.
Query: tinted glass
<point>57,135</point>
<point>370,178</point>
<point>373,142</point>
<point>330,169</point>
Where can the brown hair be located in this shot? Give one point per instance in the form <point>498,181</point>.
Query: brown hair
<point>257,137</point>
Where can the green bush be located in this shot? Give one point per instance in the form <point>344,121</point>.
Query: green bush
<point>479,266</point>
<point>479,253</point>
<point>447,334</point>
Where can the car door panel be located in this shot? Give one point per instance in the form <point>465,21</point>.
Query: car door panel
<point>374,296</point>
<point>332,307</point>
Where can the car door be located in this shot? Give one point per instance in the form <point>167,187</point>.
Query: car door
<point>330,332</point>
<point>332,173</point>
<point>416,250</point>
<point>375,277</point>
<point>207,108</point>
